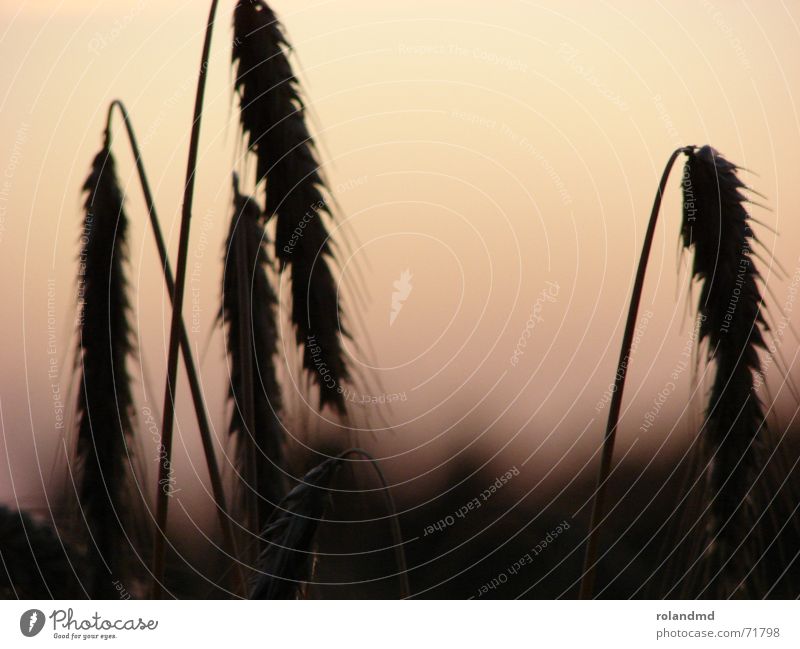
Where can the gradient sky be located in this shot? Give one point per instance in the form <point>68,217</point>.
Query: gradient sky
<point>494,150</point>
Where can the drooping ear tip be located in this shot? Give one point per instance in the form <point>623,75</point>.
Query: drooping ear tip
<point>273,122</point>
<point>707,152</point>
<point>713,157</point>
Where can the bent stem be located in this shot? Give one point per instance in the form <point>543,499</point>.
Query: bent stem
<point>397,535</point>
<point>162,503</point>
<point>191,370</point>
<point>590,560</point>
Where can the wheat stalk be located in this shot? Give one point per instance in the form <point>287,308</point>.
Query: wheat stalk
<point>248,311</point>
<point>286,560</point>
<point>716,227</point>
<point>590,559</point>
<point>272,118</point>
<point>162,502</point>
<point>105,405</point>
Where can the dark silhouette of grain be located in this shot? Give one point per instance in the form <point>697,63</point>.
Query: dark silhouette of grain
<point>104,414</point>
<point>716,227</point>
<point>285,564</point>
<point>273,122</point>
<point>248,311</point>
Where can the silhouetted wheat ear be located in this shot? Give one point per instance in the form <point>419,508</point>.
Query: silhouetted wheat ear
<point>273,122</point>
<point>249,305</point>
<point>716,225</point>
<point>285,563</point>
<point>105,405</point>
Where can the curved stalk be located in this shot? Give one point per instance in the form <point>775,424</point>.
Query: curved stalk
<point>397,536</point>
<point>191,370</point>
<point>162,503</point>
<point>399,552</point>
<point>590,560</point>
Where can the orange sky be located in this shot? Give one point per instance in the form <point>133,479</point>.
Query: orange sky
<point>492,151</point>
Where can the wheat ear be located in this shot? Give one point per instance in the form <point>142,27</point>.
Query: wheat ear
<point>105,404</point>
<point>285,562</point>
<point>248,311</point>
<point>273,122</point>
<point>716,227</point>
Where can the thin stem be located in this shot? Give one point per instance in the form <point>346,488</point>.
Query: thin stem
<point>162,504</point>
<point>590,560</point>
<point>397,534</point>
<point>245,387</point>
<point>191,370</point>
